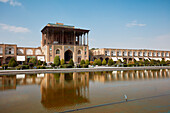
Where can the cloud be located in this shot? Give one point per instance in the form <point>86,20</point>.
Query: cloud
<point>4,1</point>
<point>14,28</point>
<point>11,2</point>
<point>134,23</point>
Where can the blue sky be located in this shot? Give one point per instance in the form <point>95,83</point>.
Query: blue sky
<point>136,24</point>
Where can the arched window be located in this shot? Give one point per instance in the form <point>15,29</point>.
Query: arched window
<point>29,52</point>
<point>79,51</point>
<point>20,51</point>
<point>9,50</point>
<point>79,59</point>
<point>57,51</point>
<point>37,52</point>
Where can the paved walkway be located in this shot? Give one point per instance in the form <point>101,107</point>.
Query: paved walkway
<point>64,70</point>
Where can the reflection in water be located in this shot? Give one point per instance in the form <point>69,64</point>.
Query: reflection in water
<point>70,89</point>
<point>64,89</point>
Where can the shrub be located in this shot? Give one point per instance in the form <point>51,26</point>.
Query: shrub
<point>39,62</point>
<point>91,62</point>
<point>104,62</point>
<point>5,66</point>
<point>118,62</point>
<point>33,61</point>
<point>44,63</point>
<point>18,67</point>
<point>110,62</point>
<point>95,62</point>
<point>42,67</point>
<point>57,60</point>
<point>84,66</point>
<point>62,62</point>
<point>71,62</point>
<point>99,63</point>
<point>87,62</point>
<point>23,67</point>
<point>53,65</point>
<point>31,65</point>
<point>12,63</point>
<point>66,66</point>
<point>82,62</point>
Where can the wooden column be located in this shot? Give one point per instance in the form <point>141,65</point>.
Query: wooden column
<point>62,37</point>
<point>74,37</point>
<point>47,38</point>
<point>81,39</point>
<point>84,39</point>
<point>87,39</point>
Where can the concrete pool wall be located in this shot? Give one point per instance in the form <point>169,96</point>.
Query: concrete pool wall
<point>63,70</point>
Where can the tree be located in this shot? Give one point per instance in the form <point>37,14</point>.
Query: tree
<point>62,61</point>
<point>52,65</point>
<point>71,62</point>
<point>12,62</point>
<point>33,61</point>
<point>57,60</point>
<point>146,62</point>
<point>163,63</point>
<point>104,62</point>
<point>82,62</point>
<point>39,62</point>
<point>99,63</point>
<point>110,62</point>
<point>95,62</point>
<point>87,62</point>
<point>118,62</point>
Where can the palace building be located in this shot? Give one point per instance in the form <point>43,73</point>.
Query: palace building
<point>129,54</point>
<point>64,41</point>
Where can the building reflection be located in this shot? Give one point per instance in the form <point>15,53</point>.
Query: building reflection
<point>129,75</point>
<point>60,90</point>
<point>64,89</point>
<point>8,82</point>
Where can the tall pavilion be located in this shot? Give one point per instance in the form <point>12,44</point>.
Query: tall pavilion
<point>64,41</point>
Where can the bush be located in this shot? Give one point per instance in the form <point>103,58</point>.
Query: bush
<point>71,62</point>
<point>5,66</point>
<point>31,65</point>
<point>110,62</point>
<point>62,62</point>
<point>44,63</point>
<point>23,66</point>
<point>33,61</point>
<point>87,62</point>
<point>18,67</point>
<point>84,66</point>
<point>12,63</point>
<point>66,66</point>
<point>104,62</point>
<point>91,62</point>
<point>53,65</point>
<point>99,63</point>
<point>42,67</point>
<point>57,60</point>
<point>39,62</point>
<point>95,62</point>
<point>82,62</point>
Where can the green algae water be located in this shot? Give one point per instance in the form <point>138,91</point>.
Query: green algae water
<point>60,92</point>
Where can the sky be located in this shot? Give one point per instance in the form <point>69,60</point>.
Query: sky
<point>132,24</point>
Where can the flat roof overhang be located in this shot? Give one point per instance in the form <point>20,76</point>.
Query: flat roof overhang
<point>53,28</point>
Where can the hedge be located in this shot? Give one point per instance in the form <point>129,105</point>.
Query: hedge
<point>66,66</point>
